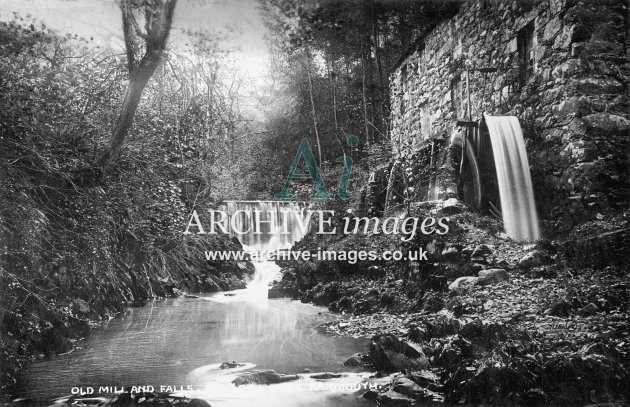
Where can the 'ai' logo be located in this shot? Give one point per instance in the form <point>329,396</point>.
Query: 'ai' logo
<point>305,152</point>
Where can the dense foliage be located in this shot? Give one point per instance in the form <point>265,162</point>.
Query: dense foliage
<point>81,241</point>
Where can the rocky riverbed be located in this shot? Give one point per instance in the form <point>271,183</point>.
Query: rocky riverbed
<point>484,321</point>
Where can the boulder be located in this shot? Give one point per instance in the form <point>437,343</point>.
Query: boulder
<point>463,281</point>
<point>481,250</point>
<point>390,354</point>
<point>409,388</point>
<point>230,365</point>
<point>278,291</point>
<point>354,360</point>
<point>371,394</point>
<point>534,258</point>
<point>451,255</point>
<point>263,377</point>
<point>426,379</point>
<point>492,276</point>
<point>607,122</point>
<point>452,206</point>
<point>326,375</point>
<point>392,398</point>
<point>199,403</point>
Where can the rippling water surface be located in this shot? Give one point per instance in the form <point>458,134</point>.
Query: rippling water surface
<point>181,342</point>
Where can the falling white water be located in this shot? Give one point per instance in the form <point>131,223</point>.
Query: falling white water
<point>280,224</point>
<point>515,183</point>
<point>274,332</point>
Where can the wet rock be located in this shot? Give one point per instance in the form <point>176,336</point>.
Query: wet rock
<point>425,379</point>
<point>451,255</point>
<point>392,398</point>
<point>264,377</point>
<point>354,360</point>
<point>453,206</point>
<point>534,258</point>
<point>175,292</point>
<point>409,388</point>
<point>371,394</point>
<point>281,292</point>
<point>199,403</point>
<point>326,375</point>
<point>463,282</point>
<point>492,276</point>
<point>230,365</point>
<point>590,309</point>
<point>389,353</point>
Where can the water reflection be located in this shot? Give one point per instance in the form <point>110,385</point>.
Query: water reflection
<point>166,342</point>
<point>181,342</point>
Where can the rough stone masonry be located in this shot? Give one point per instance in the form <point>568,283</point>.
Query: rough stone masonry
<point>561,66</point>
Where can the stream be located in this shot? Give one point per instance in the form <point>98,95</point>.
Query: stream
<point>182,342</point>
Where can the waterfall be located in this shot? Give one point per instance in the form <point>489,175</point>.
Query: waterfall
<point>515,183</point>
<point>281,224</point>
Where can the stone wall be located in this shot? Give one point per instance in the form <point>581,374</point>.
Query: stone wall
<point>572,103</point>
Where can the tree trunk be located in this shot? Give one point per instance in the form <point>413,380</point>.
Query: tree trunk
<point>382,89</point>
<point>364,94</point>
<point>137,82</point>
<point>310,91</point>
<point>331,72</point>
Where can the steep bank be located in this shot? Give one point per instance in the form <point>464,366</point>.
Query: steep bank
<point>496,321</point>
<point>52,314</point>
<point>80,242</point>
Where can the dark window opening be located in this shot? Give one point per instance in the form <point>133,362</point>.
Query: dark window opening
<point>527,61</point>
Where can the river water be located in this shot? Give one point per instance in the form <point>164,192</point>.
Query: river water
<point>182,342</point>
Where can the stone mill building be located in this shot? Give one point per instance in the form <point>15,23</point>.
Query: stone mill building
<point>560,66</point>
